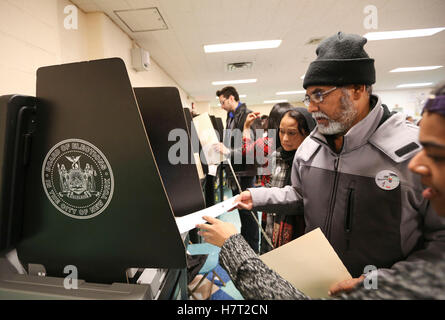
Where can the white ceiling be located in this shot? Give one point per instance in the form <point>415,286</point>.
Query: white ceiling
<point>191,24</point>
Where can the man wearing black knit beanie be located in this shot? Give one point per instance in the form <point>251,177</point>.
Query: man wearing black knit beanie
<point>352,175</point>
<point>342,70</point>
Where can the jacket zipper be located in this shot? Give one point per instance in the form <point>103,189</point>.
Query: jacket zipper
<point>332,200</point>
<point>348,216</point>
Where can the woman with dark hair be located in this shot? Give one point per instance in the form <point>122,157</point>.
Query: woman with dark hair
<point>267,142</point>
<point>295,125</point>
<point>419,280</point>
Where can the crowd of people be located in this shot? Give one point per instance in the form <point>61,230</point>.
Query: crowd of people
<point>371,180</point>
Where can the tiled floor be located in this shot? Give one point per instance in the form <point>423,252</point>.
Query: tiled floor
<point>218,291</point>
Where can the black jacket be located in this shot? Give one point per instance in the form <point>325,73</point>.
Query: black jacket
<point>238,161</point>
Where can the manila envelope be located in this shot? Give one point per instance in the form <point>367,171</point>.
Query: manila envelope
<point>309,263</point>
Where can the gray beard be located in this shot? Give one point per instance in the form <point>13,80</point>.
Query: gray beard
<point>347,116</point>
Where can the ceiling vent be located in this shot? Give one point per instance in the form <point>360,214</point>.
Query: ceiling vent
<point>314,41</point>
<point>239,66</point>
<point>142,20</point>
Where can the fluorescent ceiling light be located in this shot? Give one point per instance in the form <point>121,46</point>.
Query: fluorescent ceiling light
<point>411,85</point>
<point>240,46</point>
<point>218,83</point>
<point>385,35</point>
<point>416,69</point>
<point>275,101</point>
<point>290,92</point>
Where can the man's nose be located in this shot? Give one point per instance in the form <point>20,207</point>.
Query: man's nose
<point>313,107</point>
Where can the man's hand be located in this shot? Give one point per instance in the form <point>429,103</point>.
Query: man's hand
<point>221,148</point>
<point>345,286</point>
<point>244,201</point>
<point>217,231</point>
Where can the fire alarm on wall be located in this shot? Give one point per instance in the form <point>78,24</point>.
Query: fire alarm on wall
<point>140,59</point>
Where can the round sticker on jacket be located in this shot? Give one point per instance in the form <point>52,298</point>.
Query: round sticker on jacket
<point>387,180</point>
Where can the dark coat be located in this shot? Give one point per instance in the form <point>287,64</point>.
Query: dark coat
<point>239,117</point>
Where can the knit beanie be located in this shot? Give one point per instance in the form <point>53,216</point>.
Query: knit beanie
<point>341,60</point>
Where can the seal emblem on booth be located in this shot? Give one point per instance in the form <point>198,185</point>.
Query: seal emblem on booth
<point>78,179</point>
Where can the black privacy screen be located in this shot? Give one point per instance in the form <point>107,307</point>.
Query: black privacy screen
<point>94,197</point>
<point>163,115</point>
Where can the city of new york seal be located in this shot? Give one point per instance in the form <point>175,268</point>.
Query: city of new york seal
<point>77,179</point>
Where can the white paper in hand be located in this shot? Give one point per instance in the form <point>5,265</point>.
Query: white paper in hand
<point>189,222</point>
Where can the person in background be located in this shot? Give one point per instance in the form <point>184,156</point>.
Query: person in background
<point>417,280</point>
<point>296,124</point>
<point>417,123</point>
<point>231,147</point>
<point>264,119</point>
<point>266,144</point>
<point>256,124</point>
<point>410,119</point>
<point>269,142</point>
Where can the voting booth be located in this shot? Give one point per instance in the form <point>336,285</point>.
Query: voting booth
<point>165,122</point>
<point>17,125</point>
<point>99,194</point>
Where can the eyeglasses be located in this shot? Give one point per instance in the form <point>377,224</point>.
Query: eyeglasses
<point>222,103</point>
<point>317,97</point>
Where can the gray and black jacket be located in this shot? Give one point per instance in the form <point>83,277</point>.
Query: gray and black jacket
<point>365,224</point>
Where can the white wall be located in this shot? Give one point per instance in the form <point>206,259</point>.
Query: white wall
<point>202,107</point>
<point>263,109</point>
<point>410,101</point>
<point>29,39</point>
<point>118,44</point>
<point>32,35</point>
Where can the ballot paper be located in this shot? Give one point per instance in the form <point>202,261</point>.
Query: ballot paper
<point>213,169</point>
<point>208,138</point>
<point>309,263</point>
<point>189,222</point>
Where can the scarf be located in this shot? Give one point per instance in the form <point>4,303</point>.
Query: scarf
<point>288,158</point>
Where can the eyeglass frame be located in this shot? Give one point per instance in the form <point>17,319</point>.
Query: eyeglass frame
<point>321,94</point>
<point>225,99</point>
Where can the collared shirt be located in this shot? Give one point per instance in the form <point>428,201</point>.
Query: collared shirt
<point>230,125</point>
<point>231,113</point>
